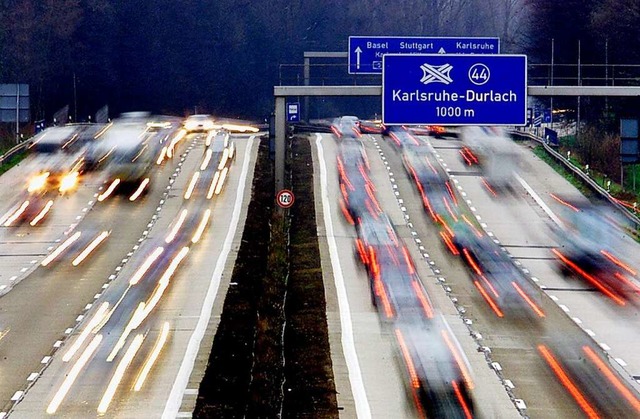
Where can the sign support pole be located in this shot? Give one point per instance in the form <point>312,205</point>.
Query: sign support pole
<point>280,142</point>
<point>17,113</point>
<point>307,77</point>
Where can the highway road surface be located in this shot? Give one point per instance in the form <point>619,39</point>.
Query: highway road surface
<point>127,331</point>
<point>517,361</point>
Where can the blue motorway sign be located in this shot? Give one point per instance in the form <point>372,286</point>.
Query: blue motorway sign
<point>458,89</point>
<point>293,112</point>
<point>365,52</point>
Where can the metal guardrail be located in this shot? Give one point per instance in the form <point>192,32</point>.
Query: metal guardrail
<point>14,150</point>
<point>582,175</point>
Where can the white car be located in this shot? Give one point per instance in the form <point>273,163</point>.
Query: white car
<point>198,123</point>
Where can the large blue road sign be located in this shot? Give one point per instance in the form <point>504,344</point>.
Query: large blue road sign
<point>365,52</point>
<point>454,89</point>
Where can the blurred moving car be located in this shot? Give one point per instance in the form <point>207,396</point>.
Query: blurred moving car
<point>346,126</point>
<point>591,243</point>
<point>198,123</point>
<point>494,151</point>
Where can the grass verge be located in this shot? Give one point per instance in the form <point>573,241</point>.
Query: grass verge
<point>270,355</point>
<point>309,388</point>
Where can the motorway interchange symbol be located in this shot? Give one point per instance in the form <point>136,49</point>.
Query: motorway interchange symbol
<point>436,73</point>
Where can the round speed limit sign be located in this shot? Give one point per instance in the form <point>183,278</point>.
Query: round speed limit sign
<point>285,198</point>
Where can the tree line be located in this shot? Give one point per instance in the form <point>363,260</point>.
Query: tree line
<point>226,56</point>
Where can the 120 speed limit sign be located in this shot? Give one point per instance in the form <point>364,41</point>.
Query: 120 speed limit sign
<point>285,198</point>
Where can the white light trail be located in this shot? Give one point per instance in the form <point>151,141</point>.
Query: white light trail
<point>145,266</point>
<point>152,357</point>
<point>223,177</point>
<point>16,214</point>
<point>201,226</point>
<point>95,320</point>
<point>140,189</point>
<point>109,190</point>
<point>60,249</point>
<point>90,248</point>
<point>214,182</point>
<point>207,158</point>
<point>117,376</point>
<point>73,374</point>
<point>42,213</point>
<point>176,227</point>
<point>192,185</point>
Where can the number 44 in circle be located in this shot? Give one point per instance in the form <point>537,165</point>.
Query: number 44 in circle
<point>479,74</point>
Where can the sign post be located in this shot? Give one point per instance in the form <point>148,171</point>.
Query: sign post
<point>366,52</point>
<point>454,89</point>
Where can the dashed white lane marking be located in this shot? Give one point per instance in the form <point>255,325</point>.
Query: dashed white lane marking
<point>186,367</point>
<point>538,200</point>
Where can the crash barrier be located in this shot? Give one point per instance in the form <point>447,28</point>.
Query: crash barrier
<point>14,150</point>
<point>584,176</point>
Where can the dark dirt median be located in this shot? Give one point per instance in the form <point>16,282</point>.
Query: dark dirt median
<point>279,298</point>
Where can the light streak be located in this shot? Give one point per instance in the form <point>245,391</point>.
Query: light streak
<point>163,284</point>
<point>488,299</point>
<point>232,150</point>
<point>428,311</point>
<point>201,226</point>
<point>117,376</point>
<point>207,159</point>
<point>413,375</point>
<point>223,159</point>
<point>192,185</point>
<point>42,213</point>
<point>565,203</point>
<point>207,141</point>
<point>176,227</point>
<point>461,400</point>
<point>162,155</point>
<point>73,374</point>
<point>60,249</point>
<point>103,158</point>
<point>144,309</point>
<point>133,323</point>
<point>145,266</point>
<point>223,177</point>
<point>458,357</point>
<point>140,189</point>
<point>589,278</point>
<point>618,262</point>
<point>95,243</point>
<point>567,383</point>
<point>16,214</point>
<point>214,182</point>
<point>602,367</point>
<point>109,190</point>
<point>473,264</point>
<point>95,320</point>
<point>529,301</point>
<point>152,357</point>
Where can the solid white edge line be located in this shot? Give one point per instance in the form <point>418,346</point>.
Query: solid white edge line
<point>348,345</point>
<point>174,401</point>
<point>539,200</point>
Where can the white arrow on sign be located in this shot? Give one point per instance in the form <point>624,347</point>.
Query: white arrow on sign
<point>358,52</point>
<point>442,51</point>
